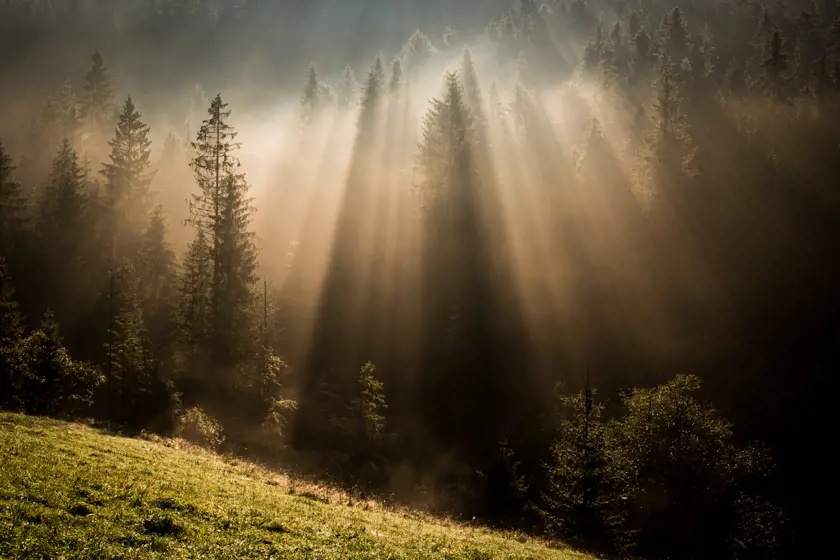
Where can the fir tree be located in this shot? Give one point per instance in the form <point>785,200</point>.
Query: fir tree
<point>583,484</point>
<point>396,76</point>
<point>63,203</point>
<point>127,179</point>
<point>158,281</point>
<point>11,327</point>
<point>417,51</point>
<point>60,118</point>
<point>311,102</point>
<point>472,88</point>
<point>775,64</point>
<point>97,103</point>
<point>222,211</point>
<point>12,205</point>
<point>11,330</point>
<point>348,89</point>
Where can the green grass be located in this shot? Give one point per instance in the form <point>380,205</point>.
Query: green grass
<point>70,491</point>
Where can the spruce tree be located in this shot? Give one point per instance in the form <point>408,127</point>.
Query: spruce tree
<point>222,212</point>
<point>774,64</point>
<point>194,298</point>
<point>127,179</point>
<point>396,75</point>
<point>63,202</point>
<point>12,205</point>
<point>348,90</point>
<point>97,102</point>
<point>64,228</point>
<point>11,330</point>
<point>583,496</point>
<point>316,96</point>
<point>11,327</point>
<point>157,272</point>
<point>472,88</point>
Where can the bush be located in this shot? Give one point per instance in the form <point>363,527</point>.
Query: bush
<point>198,427</point>
<point>666,479</point>
<point>51,383</point>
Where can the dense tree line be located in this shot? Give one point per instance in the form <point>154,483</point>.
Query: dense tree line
<point>656,194</point>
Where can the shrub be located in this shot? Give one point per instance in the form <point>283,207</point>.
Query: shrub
<point>197,426</point>
<point>53,384</point>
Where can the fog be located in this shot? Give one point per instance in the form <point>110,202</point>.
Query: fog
<point>511,198</point>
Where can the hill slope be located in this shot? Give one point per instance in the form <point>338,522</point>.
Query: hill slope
<point>69,491</point>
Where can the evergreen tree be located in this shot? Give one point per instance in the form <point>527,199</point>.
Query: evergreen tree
<point>97,103</point>
<point>11,330</point>
<point>60,119</point>
<point>774,64</point>
<point>472,88</point>
<point>63,205</point>
<point>127,180</point>
<point>672,154</point>
<point>11,327</point>
<point>396,76</point>
<point>194,300</point>
<point>348,90</point>
<point>417,51</point>
<point>583,495</point>
<point>12,205</point>
<point>54,384</point>
<point>222,213</point>
<point>158,282</point>
<point>316,96</point>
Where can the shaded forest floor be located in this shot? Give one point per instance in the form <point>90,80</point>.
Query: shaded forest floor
<point>71,491</point>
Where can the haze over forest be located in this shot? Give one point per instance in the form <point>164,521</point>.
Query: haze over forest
<point>517,260</point>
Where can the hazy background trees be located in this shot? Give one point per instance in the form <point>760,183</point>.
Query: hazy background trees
<point>603,194</point>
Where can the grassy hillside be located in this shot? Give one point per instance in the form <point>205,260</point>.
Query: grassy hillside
<point>69,491</point>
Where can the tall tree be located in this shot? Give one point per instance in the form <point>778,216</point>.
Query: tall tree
<point>222,213</point>
<point>97,103</point>
<point>157,272</point>
<point>12,205</point>
<point>127,179</point>
<point>348,90</point>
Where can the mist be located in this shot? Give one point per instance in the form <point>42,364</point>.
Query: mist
<point>385,243</point>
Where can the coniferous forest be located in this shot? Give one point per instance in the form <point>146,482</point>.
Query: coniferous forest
<point>568,267</point>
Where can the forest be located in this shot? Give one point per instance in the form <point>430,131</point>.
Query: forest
<point>568,267</point>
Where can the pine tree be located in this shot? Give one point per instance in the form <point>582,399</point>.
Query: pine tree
<point>11,327</point>
<point>583,490</point>
<point>472,88</point>
<point>126,351</point>
<point>64,228</point>
<point>311,95</point>
<point>775,64</point>
<point>127,179</point>
<point>63,201</point>
<point>371,97</point>
<point>11,330</point>
<point>97,103</point>
<point>194,300</point>
<point>158,281</point>
<point>672,153</point>
<point>222,211</point>
<point>60,118</point>
<point>396,76</point>
<point>347,91</point>
<point>417,51</point>
<point>12,205</point>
